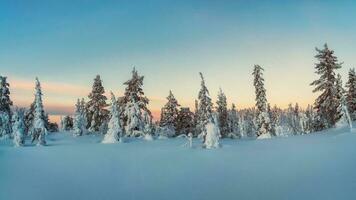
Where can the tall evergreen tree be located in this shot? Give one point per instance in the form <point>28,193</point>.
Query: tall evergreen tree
<point>351,93</point>
<point>233,122</point>
<point>310,115</point>
<point>5,101</point>
<point>97,113</point>
<point>344,117</point>
<point>196,116</point>
<point>327,103</point>
<point>204,108</point>
<point>222,113</point>
<point>262,118</point>
<point>5,107</point>
<point>134,95</point>
<point>67,123</point>
<point>79,121</point>
<point>169,113</point>
<point>185,121</point>
<point>134,90</point>
<point>39,130</point>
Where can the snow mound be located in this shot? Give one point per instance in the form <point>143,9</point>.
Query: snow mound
<point>264,136</point>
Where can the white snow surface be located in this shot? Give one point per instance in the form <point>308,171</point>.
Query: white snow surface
<point>316,166</point>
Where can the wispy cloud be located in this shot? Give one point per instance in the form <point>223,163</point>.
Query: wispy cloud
<point>49,87</point>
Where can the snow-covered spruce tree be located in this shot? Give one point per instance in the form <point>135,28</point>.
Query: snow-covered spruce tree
<point>5,107</point>
<point>274,117</point>
<point>221,109</point>
<point>169,113</point>
<point>18,127</point>
<point>114,128</point>
<point>29,116</point>
<point>39,130</point>
<point>212,133</point>
<point>83,112</point>
<point>309,114</point>
<point>204,108</point>
<point>5,101</point>
<point>96,106</point>
<point>67,123</point>
<point>293,119</point>
<point>247,124</point>
<point>351,93</point>
<point>134,124</point>
<point>242,126</point>
<point>233,123</point>
<point>5,125</point>
<point>262,119</point>
<point>196,115</point>
<point>327,103</point>
<point>148,126</point>
<point>344,118</point>
<point>79,121</point>
<point>278,126</point>
<point>134,93</point>
<point>185,121</point>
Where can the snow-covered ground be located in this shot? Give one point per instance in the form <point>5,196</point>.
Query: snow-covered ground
<point>317,166</point>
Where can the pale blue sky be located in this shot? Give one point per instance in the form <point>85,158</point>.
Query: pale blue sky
<point>66,43</point>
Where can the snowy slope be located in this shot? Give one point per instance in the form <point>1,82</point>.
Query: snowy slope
<point>318,166</point>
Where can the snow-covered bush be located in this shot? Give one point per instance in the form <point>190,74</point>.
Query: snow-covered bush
<point>165,132</point>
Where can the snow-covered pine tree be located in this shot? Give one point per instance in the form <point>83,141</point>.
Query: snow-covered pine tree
<point>293,119</point>
<point>114,132</point>
<point>5,101</point>
<point>212,133</point>
<point>327,103</point>
<point>204,108</point>
<point>29,116</point>
<point>39,130</point>
<point>134,92</point>
<point>222,113</point>
<point>185,121</point>
<point>169,113</point>
<point>148,127</point>
<point>5,125</point>
<point>83,112</point>
<point>273,115</point>
<point>18,127</point>
<point>309,113</point>
<point>351,93</point>
<point>134,124</point>
<point>67,123</point>
<point>242,126</point>
<point>5,107</point>
<point>276,115</point>
<point>96,106</point>
<point>233,123</point>
<point>344,118</point>
<point>79,121</point>
<point>196,115</point>
<point>262,118</point>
